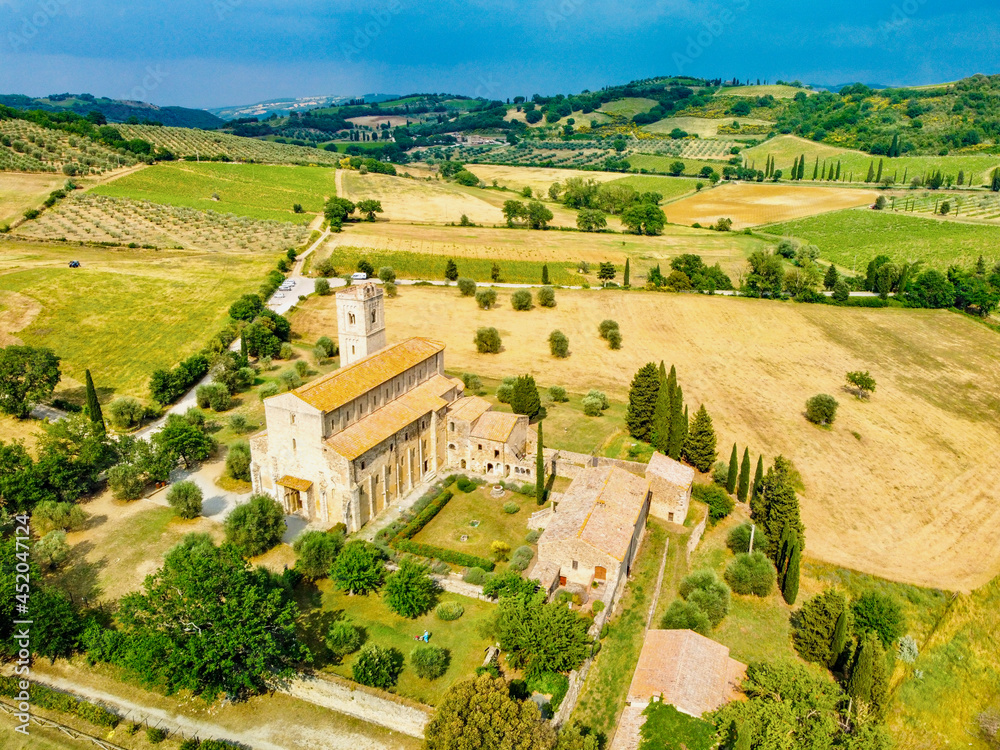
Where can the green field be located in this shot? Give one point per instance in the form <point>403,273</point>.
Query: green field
<point>628,107</point>
<point>853,237</point>
<point>786,148</point>
<point>256,190</point>
<point>126,313</point>
<point>385,628</point>
<point>661,163</point>
<point>429,266</point>
<point>668,187</point>
<point>778,92</point>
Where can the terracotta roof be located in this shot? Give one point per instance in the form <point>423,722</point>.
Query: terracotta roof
<point>294,483</point>
<point>494,425</point>
<point>469,409</point>
<point>383,423</point>
<point>348,383</point>
<point>688,670</point>
<point>601,506</point>
<point>672,471</point>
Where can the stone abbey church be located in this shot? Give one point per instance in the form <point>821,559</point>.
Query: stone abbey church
<point>350,444</point>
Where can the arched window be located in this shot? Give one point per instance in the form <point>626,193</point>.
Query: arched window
<point>350,318</point>
<point>373,315</point>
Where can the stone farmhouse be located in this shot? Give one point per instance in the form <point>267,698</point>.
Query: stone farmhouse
<point>595,529</point>
<point>349,445</point>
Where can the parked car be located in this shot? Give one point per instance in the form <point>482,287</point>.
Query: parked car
<point>74,264</point>
<point>279,295</point>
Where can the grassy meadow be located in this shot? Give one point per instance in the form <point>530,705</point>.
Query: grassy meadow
<point>125,313</point>
<point>19,192</point>
<point>260,191</point>
<point>851,238</point>
<point>787,148</point>
<point>900,486</point>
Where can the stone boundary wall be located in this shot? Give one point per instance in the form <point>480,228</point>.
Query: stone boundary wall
<point>695,537</point>
<point>568,464</point>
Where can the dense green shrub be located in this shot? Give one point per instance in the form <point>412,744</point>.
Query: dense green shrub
<point>881,614</point>
<point>442,553</point>
<point>511,508</point>
<point>738,540</point>
<point>719,503</point>
<point>488,341</point>
<point>472,382</point>
<point>475,576</point>
<point>359,567</point>
<point>125,412</point>
<point>465,484</point>
<point>751,574</point>
<point>550,683</point>
<point>521,300</point>
<point>682,615</point>
<point>378,666</point>
<point>558,394</point>
<point>410,591</point>
<point>467,287</point>
<point>532,536</point>
<point>559,345</point>
<point>821,409</point>
<point>814,627</point>
<point>256,526</point>
<point>156,735</point>
<point>430,662</point>
<point>185,498</point>
<point>547,296</point>
<point>450,610</point>
<point>317,551</point>
<point>486,298</point>
<point>50,515</point>
<point>343,638</point>
<point>238,461</point>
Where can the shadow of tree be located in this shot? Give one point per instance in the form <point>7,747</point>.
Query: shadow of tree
<point>78,576</point>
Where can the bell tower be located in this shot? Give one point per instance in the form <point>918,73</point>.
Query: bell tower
<point>360,322</point>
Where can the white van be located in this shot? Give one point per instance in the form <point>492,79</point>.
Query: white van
<point>359,276</point>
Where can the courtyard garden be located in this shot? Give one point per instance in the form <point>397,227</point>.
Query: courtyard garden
<point>472,521</point>
<point>325,604</point>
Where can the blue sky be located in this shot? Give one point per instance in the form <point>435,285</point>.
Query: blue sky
<point>205,53</point>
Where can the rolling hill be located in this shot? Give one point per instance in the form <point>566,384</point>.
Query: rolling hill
<point>114,110</point>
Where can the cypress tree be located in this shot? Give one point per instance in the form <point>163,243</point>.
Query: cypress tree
<point>880,686</point>
<point>524,399</point>
<point>677,427</point>
<point>663,368</point>
<point>823,176</point>
<point>961,177</point>
<point>545,274</point>
<point>661,420</point>
<point>699,449</point>
<point>731,479</point>
<point>758,477</point>
<point>795,168</point>
<point>838,169</point>
<point>778,506</point>
<point>627,267</point>
<point>684,431</point>
<point>906,172</point>
<point>790,584</point>
<point>244,352</point>
<point>540,468</point>
<point>743,484</point>
<point>894,148</point>
<point>802,167</point>
<point>816,169</point>
<point>94,406</point>
<point>784,549</point>
<point>871,171</point>
<point>642,402</point>
<point>995,182</point>
<point>878,177</point>
<point>839,641</point>
<point>861,683</point>
<point>830,277</point>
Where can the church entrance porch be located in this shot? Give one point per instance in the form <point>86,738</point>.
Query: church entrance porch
<point>294,491</point>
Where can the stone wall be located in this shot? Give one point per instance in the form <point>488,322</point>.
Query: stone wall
<point>568,464</point>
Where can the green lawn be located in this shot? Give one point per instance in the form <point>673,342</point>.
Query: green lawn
<point>127,313</point>
<point>603,695</point>
<point>432,266</point>
<point>628,107</point>
<point>322,606</point>
<point>853,237</point>
<point>260,191</point>
<point>455,520</point>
